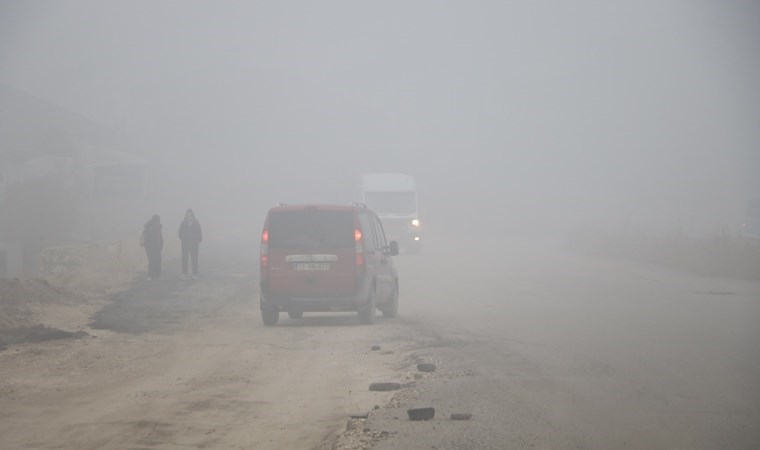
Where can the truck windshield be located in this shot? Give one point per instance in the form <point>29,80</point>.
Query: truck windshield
<point>391,202</point>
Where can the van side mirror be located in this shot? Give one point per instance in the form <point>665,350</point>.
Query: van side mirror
<point>393,248</point>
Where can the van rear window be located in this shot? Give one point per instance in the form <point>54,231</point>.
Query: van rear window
<point>311,229</point>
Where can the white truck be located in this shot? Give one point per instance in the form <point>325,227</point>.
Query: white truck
<point>393,197</point>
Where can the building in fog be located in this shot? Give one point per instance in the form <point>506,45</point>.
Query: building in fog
<point>62,176</point>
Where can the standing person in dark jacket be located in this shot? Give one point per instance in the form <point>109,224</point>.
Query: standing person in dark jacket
<point>191,235</point>
<point>153,241</point>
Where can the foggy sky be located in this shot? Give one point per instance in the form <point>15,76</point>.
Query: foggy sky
<point>521,111</point>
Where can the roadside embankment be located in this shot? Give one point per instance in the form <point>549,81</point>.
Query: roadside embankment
<point>722,255</point>
<point>73,283</point>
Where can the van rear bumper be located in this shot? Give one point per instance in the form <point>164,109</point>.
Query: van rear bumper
<point>309,304</point>
<point>313,303</point>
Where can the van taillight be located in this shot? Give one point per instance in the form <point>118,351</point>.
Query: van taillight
<point>359,247</point>
<point>264,260</point>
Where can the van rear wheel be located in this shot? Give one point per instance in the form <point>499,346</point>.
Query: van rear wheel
<point>270,317</point>
<point>367,312</point>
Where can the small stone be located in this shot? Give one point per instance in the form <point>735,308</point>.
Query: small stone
<point>359,415</point>
<point>461,416</point>
<point>384,386</point>
<point>421,413</point>
<point>426,367</point>
<point>375,348</point>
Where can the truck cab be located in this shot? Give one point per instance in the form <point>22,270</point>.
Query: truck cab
<point>393,197</point>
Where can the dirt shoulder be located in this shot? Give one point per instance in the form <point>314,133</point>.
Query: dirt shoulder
<point>74,283</point>
<point>169,364</point>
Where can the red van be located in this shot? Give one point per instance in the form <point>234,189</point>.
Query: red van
<point>318,257</point>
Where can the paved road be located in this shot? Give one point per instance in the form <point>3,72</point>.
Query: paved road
<point>551,349</point>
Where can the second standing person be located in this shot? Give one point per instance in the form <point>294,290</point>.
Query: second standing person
<point>190,234</point>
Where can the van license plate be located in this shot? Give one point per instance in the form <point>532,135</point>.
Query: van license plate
<point>313,266</point>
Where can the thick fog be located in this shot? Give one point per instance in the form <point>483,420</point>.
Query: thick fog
<point>520,116</point>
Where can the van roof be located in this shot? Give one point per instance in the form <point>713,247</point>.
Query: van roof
<point>315,207</point>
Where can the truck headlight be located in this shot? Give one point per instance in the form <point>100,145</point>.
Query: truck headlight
<point>415,222</point>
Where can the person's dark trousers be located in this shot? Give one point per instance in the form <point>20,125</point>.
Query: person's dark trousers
<point>154,263</point>
<point>190,251</point>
